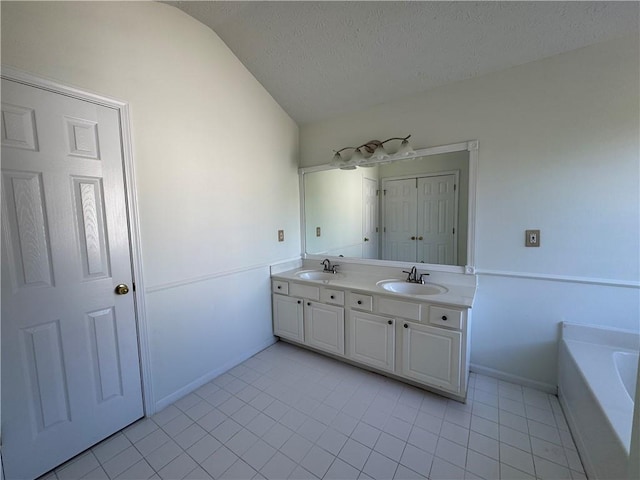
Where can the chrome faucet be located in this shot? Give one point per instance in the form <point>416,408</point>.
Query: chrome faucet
<point>413,276</point>
<point>328,267</point>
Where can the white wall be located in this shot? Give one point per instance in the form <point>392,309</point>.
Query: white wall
<point>559,152</point>
<point>216,169</point>
<point>337,211</point>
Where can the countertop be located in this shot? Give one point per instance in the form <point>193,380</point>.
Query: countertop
<point>459,292</point>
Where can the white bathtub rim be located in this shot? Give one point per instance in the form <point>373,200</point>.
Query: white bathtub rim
<point>608,391</point>
<point>613,337</point>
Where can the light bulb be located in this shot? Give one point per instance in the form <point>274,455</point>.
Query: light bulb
<point>405,149</point>
<point>379,153</point>
<point>337,160</point>
<point>356,158</point>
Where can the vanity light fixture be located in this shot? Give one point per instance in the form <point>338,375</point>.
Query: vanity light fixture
<point>376,151</point>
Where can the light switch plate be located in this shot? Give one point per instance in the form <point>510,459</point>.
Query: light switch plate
<point>532,238</point>
<point>281,235</point>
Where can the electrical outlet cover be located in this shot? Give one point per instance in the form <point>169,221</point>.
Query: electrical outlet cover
<point>532,238</point>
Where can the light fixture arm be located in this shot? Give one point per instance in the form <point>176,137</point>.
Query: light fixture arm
<point>373,148</point>
<point>371,145</point>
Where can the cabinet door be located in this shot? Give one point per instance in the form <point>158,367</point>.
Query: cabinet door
<point>287,317</point>
<point>372,340</point>
<point>399,220</point>
<point>431,355</point>
<point>324,326</point>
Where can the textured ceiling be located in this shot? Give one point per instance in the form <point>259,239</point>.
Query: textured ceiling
<point>323,59</point>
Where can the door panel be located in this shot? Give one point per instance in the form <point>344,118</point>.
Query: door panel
<point>370,218</point>
<point>372,339</point>
<point>431,355</point>
<point>436,220</point>
<point>399,220</point>
<point>324,325</point>
<point>287,317</point>
<point>70,363</point>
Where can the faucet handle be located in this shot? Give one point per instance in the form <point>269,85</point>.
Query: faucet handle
<point>334,269</point>
<point>423,275</point>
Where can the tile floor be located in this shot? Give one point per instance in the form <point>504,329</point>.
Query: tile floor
<point>291,413</point>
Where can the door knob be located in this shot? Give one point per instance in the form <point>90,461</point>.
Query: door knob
<point>413,238</point>
<point>420,237</point>
<point>366,239</point>
<point>122,289</point>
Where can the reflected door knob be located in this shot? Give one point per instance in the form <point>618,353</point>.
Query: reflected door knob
<point>122,289</point>
<point>420,237</point>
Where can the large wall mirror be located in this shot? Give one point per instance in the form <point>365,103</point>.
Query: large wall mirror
<point>413,210</point>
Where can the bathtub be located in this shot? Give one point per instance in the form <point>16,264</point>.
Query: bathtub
<point>597,372</point>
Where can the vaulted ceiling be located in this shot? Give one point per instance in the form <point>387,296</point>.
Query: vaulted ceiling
<point>323,59</point>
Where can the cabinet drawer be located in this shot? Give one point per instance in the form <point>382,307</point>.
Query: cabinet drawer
<point>332,296</point>
<point>400,308</point>
<point>445,317</point>
<point>305,291</point>
<point>278,286</point>
<point>361,302</point>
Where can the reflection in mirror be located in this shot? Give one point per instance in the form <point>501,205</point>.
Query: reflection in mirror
<point>410,211</point>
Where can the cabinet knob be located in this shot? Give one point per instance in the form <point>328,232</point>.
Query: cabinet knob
<point>444,317</point>
<point>299,302</point>
<point>359,302</point>
<point>406,325</point>
<point>420,237</point>
<point>279,287</point>
<point>309,303</point>
<point>332,297</point>
<point>413,238</point>
<point>390,322</point>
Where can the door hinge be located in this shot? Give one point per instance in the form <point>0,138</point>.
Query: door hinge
<point>384,192</point>
<point>454,230</point>
<point>376,229</point>
<point>385,230</point>
<point>377,193</point>
<point>454,187</point>
<point>133,286</point>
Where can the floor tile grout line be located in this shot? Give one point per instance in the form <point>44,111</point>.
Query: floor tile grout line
<point>397,398</point>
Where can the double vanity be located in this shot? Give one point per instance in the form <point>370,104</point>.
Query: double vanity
<point>414,209</point>
<point>373,317</point>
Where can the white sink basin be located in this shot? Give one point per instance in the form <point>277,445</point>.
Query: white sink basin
<point>317,275</point>
<point>398,286</point>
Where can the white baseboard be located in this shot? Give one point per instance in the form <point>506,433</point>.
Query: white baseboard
<point>509,377</point>
<point>177,395</point>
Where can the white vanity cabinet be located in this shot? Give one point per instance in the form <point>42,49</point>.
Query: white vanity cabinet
<point>324,326</point>
<point>372,340</point>
<point>298,315</point>
<point>431,355</point>
<point>288,317</point>
<point>424,343</point>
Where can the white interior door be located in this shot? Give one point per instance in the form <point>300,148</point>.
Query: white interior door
<point>437,219</point>
<point>70,362</point>
<point>400,215</point>
<point>369,218</point>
